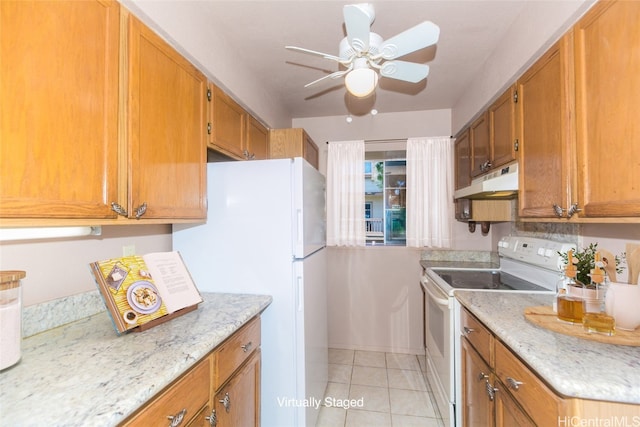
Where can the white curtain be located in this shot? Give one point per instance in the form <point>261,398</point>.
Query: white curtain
<point>345,194</point>
<point>430,209</point>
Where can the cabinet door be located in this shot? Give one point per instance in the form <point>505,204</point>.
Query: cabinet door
<point>481,154</point>
<point>477,406</point>
<point>257,139</point>
<point>310,150</point>
<point>167,131</point>
<point>462,149</point>
<point>508,413</point>
<point>238,402</point>
<point>227,123</point>
<point>607,68</point>
<point>59,108</point>
<point>502,129</point>
<point>544,111</point>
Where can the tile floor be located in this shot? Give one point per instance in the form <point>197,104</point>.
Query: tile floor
<point>387,390</point>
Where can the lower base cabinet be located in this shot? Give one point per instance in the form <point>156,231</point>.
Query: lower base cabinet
<point>498,389</point>
<point>227,380</point>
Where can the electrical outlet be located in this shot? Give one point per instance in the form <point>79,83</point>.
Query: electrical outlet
<point>128,250</point>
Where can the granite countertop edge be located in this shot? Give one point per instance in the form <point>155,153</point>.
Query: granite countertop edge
<point>84,372</point>
<point>572,366</point>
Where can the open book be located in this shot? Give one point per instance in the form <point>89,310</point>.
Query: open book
<point>139,289</point>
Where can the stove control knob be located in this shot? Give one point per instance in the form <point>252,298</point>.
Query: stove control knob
<point>541,251</point>
<point>548,253</point>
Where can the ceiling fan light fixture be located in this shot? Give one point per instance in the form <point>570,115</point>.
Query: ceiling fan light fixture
<point>361,82</point>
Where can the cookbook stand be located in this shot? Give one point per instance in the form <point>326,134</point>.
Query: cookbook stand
<point>163,319</point>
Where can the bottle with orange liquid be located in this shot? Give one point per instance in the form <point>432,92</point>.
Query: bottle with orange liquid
<point>569,296</point>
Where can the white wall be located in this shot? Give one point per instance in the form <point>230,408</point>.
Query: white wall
<point>59,268</point>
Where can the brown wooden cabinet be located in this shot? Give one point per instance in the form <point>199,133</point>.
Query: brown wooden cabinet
<point>59,108</point>
<point>294,142</point>
<point>109,120</point>
<point>237,402</point>
<point>545,133</point>
<point>480,147</point>
<point>257,139</point>
<point>166,119</point>
<point>477,409</point>
<point>227,124</point>
<point>222,390</point>
<point>187,399</point>
<point>499,389</point>
<point>607,81</point>
<point>502,129</point>
<point>232,130</point>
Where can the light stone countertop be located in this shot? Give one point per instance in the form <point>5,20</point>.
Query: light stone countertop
<point>83,373</point>
<point>573,367</point>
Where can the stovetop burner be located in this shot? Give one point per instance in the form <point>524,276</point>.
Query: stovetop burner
<point>485,279</point>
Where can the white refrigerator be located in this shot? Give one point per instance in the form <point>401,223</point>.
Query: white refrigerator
<point>265,234</point>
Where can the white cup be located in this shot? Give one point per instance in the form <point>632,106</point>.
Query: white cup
<point>622,301</point>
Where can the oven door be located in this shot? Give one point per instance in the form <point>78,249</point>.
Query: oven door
<point>438,308</point>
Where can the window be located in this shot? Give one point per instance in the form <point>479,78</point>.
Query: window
<point>385,197</point>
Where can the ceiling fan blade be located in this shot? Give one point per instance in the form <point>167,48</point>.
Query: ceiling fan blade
<point>324,55</point>
<point>415,38</point>
<point>357,20</point>
<point>406,71</point>
<point>335,75</point>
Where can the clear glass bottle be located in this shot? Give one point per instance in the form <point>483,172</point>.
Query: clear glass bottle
<point>569,297</point>
<point>595,319</point>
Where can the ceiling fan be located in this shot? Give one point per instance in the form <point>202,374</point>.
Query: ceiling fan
<point>364,54</point>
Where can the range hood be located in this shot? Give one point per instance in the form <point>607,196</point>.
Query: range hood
<point>500,184</point>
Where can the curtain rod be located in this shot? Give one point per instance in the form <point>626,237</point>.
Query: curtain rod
<point>387,140</point>
<point>384,140</point>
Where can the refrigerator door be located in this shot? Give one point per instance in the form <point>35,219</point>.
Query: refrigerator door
<point>311,331</point>
<point>308,209</point>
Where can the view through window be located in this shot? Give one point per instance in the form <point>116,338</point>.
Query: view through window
<point>385,197</point>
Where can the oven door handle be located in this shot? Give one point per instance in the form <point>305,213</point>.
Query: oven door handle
<point>427,287</point>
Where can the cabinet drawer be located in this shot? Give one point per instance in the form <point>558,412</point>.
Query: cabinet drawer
<point>233,352</point>
<point>189,394</point>
<point>477,334</point>
<point>540,402</point>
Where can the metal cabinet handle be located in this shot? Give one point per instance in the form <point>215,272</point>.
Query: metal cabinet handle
<point>491,390</point>
<point>246,347</point>
<point>572,210</point>
<point>141,210</point>
<point>176,420</point>
<point>117,208</point>
<point>212,418</point>
<point>513,384</point>
<point>482,376</point>
<point>467,330</point>
<point>226,402</point>
<point>558,211</point>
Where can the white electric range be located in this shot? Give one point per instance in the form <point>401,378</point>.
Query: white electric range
<point>526,265</point>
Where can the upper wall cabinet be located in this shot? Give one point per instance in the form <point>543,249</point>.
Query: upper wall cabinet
<point>294,142</point>
<point>166,130</point>
<point>59,108</point>
<point>545,133</point>
<point>607,78</point>
<point>502,129</point>
<point>257,139</point>
<point>227,124</point>
<point>480,147</point>
<point>232,130</point>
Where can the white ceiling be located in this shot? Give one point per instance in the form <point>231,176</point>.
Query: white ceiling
<point>259,30</point>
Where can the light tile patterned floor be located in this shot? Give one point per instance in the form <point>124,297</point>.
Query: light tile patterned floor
<point>387,390</point>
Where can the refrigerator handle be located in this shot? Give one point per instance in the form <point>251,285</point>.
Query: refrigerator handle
<point>300,287</point>
<point>300,227</point>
